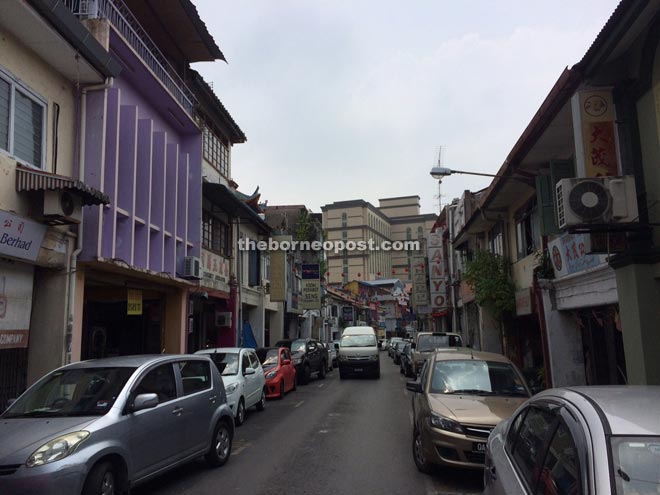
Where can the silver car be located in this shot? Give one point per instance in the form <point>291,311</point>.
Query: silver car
<point>106,425</point>
<point>578,440</point>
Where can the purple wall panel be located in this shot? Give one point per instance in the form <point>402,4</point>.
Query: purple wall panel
<point>194,145</point>
<point>170,187</point>
<point>156,244</point>
<point>143,177</point>
<point>94,139</point>
<point>182,197</point>
<point>110,172</point>
<point>127,154</point>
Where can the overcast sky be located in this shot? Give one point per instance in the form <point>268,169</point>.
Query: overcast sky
<point>351,99</point>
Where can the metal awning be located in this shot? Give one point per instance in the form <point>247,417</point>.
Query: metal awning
<point>29,179</point>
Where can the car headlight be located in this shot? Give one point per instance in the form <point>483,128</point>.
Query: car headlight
<point>343,358</point>
<point>231,388</point>
<point>56,449</point>
<point>270,375</point>
<point>373,358</point>
<point>446,424</point>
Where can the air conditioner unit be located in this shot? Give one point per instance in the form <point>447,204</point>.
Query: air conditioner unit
<point>596,200</point>
<point>222,319</point>
<point>62,207</point>
<point>192,267</point>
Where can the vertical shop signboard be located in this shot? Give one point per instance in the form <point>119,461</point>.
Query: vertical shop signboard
<point>437,273</point>
<point>310,287</point>
<point>134,302</point>
<point>419,279</point>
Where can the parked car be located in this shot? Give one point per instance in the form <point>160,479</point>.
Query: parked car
<point>578,440</point>
<point>459,398</point>
<point>406,360</point>
<point>383,344</point>
<point>358,352</point>
<point>335,345</point>
<point>244,378</point>
<point>333,352</point>
<point>279,371</point>
<point>398,347</point>
<point>107,425</point>
<point>308,357</point>
<point>427,342</point>
<point>392,346</point>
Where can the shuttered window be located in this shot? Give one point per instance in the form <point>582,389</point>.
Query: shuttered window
<point>22,122</point>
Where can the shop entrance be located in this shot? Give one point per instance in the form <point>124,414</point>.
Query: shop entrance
<point>109,331</point>
<point>602,344</point>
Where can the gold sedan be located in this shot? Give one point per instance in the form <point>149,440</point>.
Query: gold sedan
<point>459,397</point>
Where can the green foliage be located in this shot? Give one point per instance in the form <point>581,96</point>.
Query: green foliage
<point>305,228</point>
<point>544,268</point>
<point>487,276</point>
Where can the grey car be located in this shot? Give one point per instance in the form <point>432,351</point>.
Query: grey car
<point>578,440</point>
<point>106,425</point>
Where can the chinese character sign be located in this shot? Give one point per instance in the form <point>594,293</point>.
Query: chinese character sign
<point>420,287</point>
<point>594,124</point>
<point>19,237</point>
<point>569,255</point>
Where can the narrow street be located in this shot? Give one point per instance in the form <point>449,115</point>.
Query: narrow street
<point>329,437</point>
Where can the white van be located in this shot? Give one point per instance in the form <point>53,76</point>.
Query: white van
<point>358,352</point>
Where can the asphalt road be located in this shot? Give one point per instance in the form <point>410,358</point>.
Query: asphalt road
<point>333,436</point>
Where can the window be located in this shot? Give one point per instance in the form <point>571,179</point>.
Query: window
<point>216,235</point>
<point>528,447</point>
<point>195,376</point>
<point>528,235</point>
<point>344,220</point>
<point>420,232</point>
<point>254,361</point>
<point>636,464</point>
<point>216,152</point>
<point>159,381</point>
<point>514,429</point>
<point>22,122</point>
<point>495,240</point>
<point>245,362</point>
<point>254,268</point>
<point>560,474</point>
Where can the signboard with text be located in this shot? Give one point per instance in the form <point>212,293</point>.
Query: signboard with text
<point>20,237</point>
<point>134,302</point>
<point>310,287</point>
<point>15,304</point>
<point>215,271</point>
<point>437,272</point>
<point>419,278</point>
<point>569,254</point>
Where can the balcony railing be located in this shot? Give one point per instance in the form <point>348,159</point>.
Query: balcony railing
<point>127,25</point>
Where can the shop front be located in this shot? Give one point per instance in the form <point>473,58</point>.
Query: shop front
<point>125,314</point>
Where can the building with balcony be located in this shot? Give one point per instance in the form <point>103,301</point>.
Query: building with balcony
<point>46,61</point>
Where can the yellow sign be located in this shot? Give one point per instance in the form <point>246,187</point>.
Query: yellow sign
<point>134,304</point>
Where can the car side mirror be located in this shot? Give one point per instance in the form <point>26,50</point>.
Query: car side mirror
<point>144,401</point>
<point>414,386</point>
<point>249,371</point>
<point>286,362</point>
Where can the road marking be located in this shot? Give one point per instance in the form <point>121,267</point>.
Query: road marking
<point>240,448</point>
<point>320,385</point>
<point>298,404</point>
<point>323,431</point>
<point>405,392</point>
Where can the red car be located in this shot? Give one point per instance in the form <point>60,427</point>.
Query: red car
<point>278,369</point>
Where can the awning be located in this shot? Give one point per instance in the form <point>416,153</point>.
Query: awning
<point>28,179</point>
<point>221,196</point>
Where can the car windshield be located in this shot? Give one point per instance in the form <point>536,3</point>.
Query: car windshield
<point>476,377</point>
<point>427,343</point>
<point>73,392</point>
<point>271,358</point>
<point>358,341</point>
<point>227,362</point>
<point>298,345</point>
<point>636,465</point>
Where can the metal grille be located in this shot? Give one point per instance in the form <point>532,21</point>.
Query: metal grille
<point>13,374</point>
<point>478,431</point>
<point>9,469</point>
<point>127,25</point>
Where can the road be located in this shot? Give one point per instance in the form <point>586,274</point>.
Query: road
<point>330,437</point>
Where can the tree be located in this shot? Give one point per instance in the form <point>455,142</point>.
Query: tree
<point>487,275</point>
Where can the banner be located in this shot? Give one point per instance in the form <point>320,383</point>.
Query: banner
<point>15,304</point>
<point>310,287</point>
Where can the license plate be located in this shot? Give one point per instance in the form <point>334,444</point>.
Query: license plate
<point>359,369</point>
<point>479,447</point>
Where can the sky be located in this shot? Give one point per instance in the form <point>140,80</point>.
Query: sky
<point>345,100</point>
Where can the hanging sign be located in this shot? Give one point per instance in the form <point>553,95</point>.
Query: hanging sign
<point>15,304</point>
<point>19,237</point>
<point>134,303</point>
<point>310,287</point>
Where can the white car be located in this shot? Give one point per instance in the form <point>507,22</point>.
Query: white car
<point>243,376</point>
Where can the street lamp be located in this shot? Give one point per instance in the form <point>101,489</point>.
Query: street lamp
<point>442,172</point>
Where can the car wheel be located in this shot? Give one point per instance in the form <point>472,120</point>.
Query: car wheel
<point>240,412</point>
<point>102,480</point>
<point>422,464</point>
<point>322,370</point>
<point>220,449</point>
<point>261,405</point>
<point>282,389</point>
<point>377,374</point>
<point>342,376</point>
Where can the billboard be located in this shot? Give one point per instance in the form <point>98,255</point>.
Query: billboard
<point>438,277</point>
<point>310,288</point>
